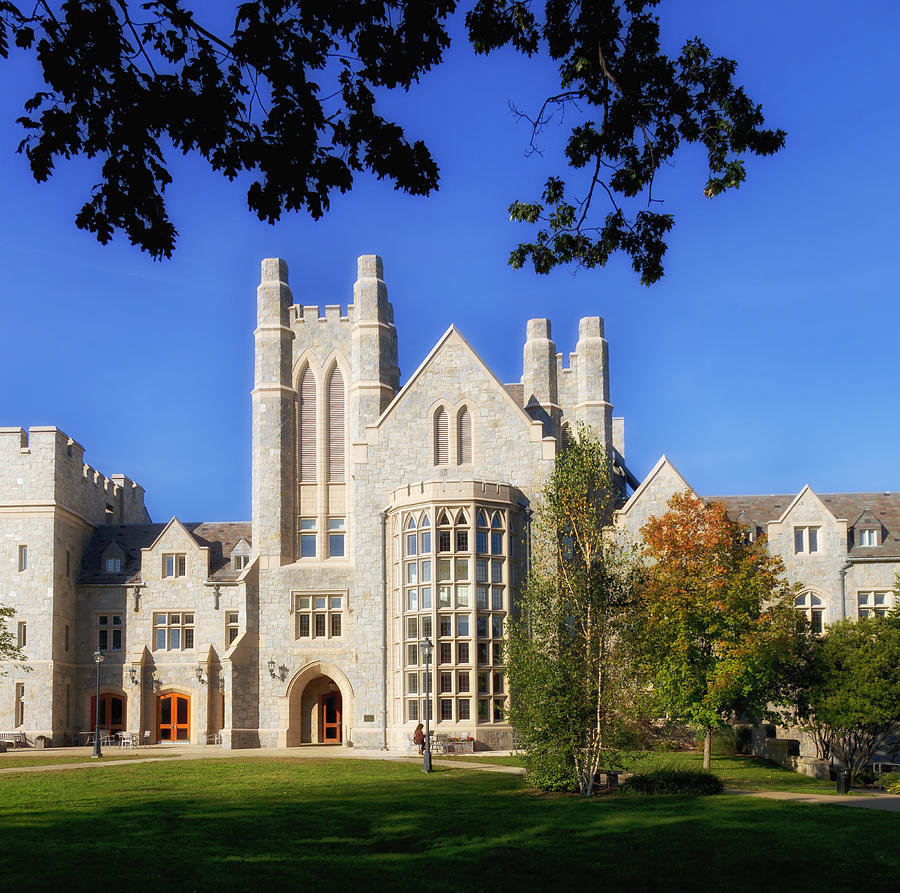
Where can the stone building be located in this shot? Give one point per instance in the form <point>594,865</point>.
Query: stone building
<point>381,514</point>
<point>842,548</point>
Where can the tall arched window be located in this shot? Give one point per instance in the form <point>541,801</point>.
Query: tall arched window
<point>464,437</point>
<point>441,451</point>
<point>336,427</point>
<point>307,427</point>
<point>813,609</point>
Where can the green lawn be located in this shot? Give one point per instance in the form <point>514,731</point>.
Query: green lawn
<point>744,773</point>
<point>487,758</point>
<point>261,824</point>
<point>11,759</point>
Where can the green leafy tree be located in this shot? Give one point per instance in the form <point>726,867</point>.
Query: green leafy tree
<point>288,95</point>
<point>566,661</point>
<point>854,692</point>
<point>635,106</point>
<point>719,633</point>
<point>9,646</point>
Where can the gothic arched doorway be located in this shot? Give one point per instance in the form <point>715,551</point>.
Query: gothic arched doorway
<point>319,706</point>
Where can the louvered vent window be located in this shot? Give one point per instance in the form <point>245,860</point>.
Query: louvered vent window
<point>464,437</point>
<point>440,437</point>
<point>336,427</point>
<point>307,427</point>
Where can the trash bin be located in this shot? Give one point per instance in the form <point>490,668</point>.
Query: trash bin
<point>41,741</point>
<point>611,780</point>
<point>843,781</point>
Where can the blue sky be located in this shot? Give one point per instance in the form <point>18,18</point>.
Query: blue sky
<point>765,359</point>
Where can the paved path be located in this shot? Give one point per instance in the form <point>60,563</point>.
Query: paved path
<point>56,757</point>
<point>863,800</point>
<point>56,760</point>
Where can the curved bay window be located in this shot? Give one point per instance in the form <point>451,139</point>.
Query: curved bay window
<point>454,573</point>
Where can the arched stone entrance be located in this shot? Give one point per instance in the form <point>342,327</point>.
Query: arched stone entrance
<point>319,705</point>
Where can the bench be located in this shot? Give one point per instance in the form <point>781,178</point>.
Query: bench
<point>16,739</point>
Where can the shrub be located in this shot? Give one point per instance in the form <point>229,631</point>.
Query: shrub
<point>674,781</point>
<point>550,770</point>
<point>893,786</point>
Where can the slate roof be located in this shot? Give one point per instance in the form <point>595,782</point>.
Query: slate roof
<point>219,537</point>
<point>517,392</point>
<point>845,506</point>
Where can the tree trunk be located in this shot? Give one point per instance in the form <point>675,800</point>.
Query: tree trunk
<point>707,749</point>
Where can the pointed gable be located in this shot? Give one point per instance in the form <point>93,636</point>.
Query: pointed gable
<point>807,504</point>
<point>175,553</point>
<point>650,498</point>
<point>455,413</point>
<point>458,385</point>
<point>808,528</point>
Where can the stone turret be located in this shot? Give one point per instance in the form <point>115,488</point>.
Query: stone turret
<point>592,404</point>
<point>373,346</point>
<point>539,379</point>
<point>274,424</point>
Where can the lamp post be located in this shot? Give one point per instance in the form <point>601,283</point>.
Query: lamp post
<point>98,659</point>
<point>427,648</point>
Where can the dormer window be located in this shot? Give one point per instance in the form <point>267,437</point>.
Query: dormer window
<point>240,561</point>
<point>868,537</point>
<point>174,565</point>
<point>113,565</point>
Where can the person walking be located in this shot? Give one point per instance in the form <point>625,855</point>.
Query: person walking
<point>419,738</point>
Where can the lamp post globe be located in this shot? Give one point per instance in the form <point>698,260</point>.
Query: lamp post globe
<point>98,659</point>
<point>427,649</point>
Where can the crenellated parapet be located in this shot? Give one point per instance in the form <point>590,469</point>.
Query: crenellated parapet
<point>45,465</point>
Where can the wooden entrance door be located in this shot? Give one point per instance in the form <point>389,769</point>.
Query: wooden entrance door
<point>174,713</point>
<point>112,712</point>
<point>330,711</point>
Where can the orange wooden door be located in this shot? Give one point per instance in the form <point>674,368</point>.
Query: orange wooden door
<point>174,718</point>
<point>331,718</point>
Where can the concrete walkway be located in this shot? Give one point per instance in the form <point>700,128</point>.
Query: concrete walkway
<point>56,760</point>
<point>863,800</point>
<point>56,757</point>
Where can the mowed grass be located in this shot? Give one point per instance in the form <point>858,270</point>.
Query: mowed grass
<point>742,773</point>
<point>12,760</point>
<point>259,824</point>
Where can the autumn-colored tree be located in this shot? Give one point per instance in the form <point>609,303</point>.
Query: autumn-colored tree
<point>565,657</point>
<point>720,635</point>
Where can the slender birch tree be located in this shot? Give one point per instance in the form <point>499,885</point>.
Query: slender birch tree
<point>565,657</point>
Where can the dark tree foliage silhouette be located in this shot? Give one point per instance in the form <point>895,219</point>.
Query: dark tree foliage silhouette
<point>289,96</point>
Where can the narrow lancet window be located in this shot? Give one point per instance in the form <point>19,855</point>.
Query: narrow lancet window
<point>307,427</point>
<point>464,437</point>
<point>336,427</point>
<point>441,451</point>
